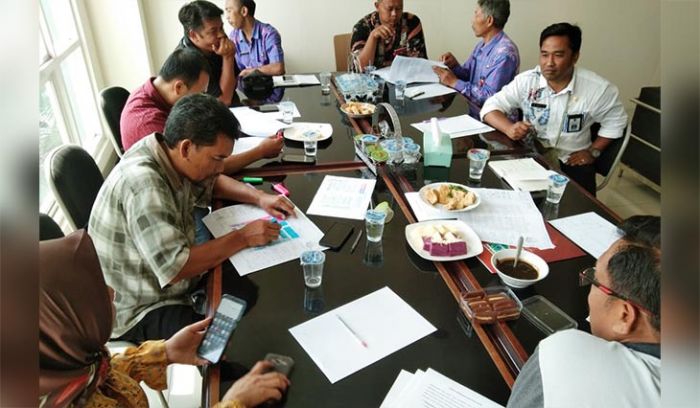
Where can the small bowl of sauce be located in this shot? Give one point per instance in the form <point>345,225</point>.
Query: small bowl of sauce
<point>530,269</point>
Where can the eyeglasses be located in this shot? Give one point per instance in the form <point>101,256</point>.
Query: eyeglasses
<point>587,277</point>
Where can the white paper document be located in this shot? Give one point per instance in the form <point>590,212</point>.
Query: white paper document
<point>457,126</point>
<point>278,115</point>
<point>243,144</point>
<point>502,217</point>
<point>383,321</point>
<point>294,235</point>
<point>590,231</point>
<point>426,91</point>
<point>522,174</point>
<point>295,80</point>
<point>254,123</point>
<point>342,197</point>
<point>410,70</point>
<point>430,389</point>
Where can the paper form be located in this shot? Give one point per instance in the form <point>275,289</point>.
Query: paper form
<point>342,197</point>
<point>402,381</point>
<point>410,69</point>
<point>502,217</point>
<point>255,123</point>
<point>590,231</point>
<point>295,80</point>
<point>385,321</point>
<point>279,116</point>
<point>295,234</point>
<point>426,91</point>
<point>243,144</point>
<point>458,126</point>
<point>522,174</point>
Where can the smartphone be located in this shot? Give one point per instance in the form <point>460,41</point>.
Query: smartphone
<point>282,364</point>
<point>268,108</point>
<point>336,235</point>
<point>288,78</point>
<point>546,316</point>
<point>219,332</point>
<point>297,158</point>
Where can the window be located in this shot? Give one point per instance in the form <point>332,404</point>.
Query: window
<point>67,99</point>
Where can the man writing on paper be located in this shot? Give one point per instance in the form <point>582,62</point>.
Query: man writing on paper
<point>493,63</point>
<point>386,33</point>
<point>619,364</point>
<point>142,224</point>
<point>560,103</point>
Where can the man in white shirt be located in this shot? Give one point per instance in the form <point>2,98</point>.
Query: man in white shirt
<point>619,364</point>
<point>560,102</point>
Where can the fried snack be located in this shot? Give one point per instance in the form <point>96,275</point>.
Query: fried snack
<point>451,197</point>
<point>444,194</point>
<point>358,108</point>
<point>431,196</point>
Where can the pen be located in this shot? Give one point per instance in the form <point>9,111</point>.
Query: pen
<point>357,336</point>
<point>253,180</point>
<point>418,94</point>
<point>357,240</point>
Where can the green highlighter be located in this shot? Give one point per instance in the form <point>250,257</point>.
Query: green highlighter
<point>253,180</point>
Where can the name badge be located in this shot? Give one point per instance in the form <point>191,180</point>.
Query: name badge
<point>538,105</point>
<point>574,123</point>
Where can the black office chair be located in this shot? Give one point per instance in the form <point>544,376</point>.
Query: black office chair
<point>606,164</point>
<point>48,229</point>
<point>75,180</point>
<point>112,102</point>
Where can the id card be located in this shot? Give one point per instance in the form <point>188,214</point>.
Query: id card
<point>574,123</point>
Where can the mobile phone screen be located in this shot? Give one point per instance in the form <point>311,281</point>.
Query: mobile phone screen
<point>219,332</point>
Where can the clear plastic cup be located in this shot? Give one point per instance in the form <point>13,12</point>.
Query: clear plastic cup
<point>287,109</point>
<point>374,225</point>
<point>311,145</point>
<point>557,185</point>
<point>312,264</point>
<point>477,162</point>
<point>399,89</point>
<point>325,79</point>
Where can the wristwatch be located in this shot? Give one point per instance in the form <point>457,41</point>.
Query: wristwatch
<point>594,152</point>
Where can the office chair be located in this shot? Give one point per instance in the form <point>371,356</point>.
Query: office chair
<point>48,229</point>
<point>341,44</point>
<point>606,164</point>
<point>112,102</point>
<point>75,181</point>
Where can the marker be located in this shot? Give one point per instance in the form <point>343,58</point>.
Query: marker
<point>253,180</point>
<point>280,188</point>
<point>354,334</point>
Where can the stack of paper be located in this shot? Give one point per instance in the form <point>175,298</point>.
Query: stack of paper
<point>458,126</point>
<point>342,197</point>
<point>430,389</point>
<point>426,91</point>
<point>243,144</point>
<point>295,80</point>
<point>410,70</point>
<point>254,123</point>
<point>522,174</point>
<point>353,336</point>
<point>590,231</point>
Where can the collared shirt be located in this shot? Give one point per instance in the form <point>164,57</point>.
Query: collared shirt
<point>142,228</point>
<point>408,40</point>
<point>145,112</point>
<point>563,119</point>
<point>264,48</point>
<point>216,63</point>
<point>488,68</point>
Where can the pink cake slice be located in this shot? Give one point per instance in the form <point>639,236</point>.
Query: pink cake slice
<point>457,248</point>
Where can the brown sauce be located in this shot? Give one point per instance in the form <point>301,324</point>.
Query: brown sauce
<point>523,271</point>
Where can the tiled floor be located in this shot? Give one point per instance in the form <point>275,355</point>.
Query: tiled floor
<point>628,196</point>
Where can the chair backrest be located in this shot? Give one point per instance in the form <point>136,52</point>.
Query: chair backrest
<point>610,157</point>
<point>48,229</point>
<point>341,44</point>
<point>112,102</point>
<point>75,180</point>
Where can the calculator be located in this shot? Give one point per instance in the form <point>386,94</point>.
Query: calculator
<point>226,319</point>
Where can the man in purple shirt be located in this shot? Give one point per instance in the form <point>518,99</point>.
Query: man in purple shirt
<point>493,63</point>
<point>258,45</point>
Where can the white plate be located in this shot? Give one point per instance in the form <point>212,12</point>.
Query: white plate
<point>474,245</point>
<point>296,130</point>
<point>440,207</point>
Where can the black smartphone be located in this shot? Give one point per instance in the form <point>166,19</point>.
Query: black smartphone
<point>336,235</point>
<point>297,158</point>
<point>282,364</point>
<point>268,108</point>
<point>227,316</point>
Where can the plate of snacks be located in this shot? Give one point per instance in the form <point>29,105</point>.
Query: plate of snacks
<point>450,197</point>
<point>491,305</point>
<point>443,240</point>
<point>358,109</point>
<point>300,131</point>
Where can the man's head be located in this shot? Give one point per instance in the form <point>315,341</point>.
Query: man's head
<point>390,11</point>
<point>559,50</point>
<point>625,299</point>
<point>490,15</point>
<point>200,132</point>
<point>201,21</point>
<point>237,11</point>
<point>186,72</point>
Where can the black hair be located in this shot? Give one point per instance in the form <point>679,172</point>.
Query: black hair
<point>250,5</point>
<point>185,64</point>
<point>200,118</point>
<point>635,269</point>
<point>572,32</point>
<point>193,14</point>
<point>498,9</point>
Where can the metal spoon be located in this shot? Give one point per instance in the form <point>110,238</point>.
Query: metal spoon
<point>518,251</point>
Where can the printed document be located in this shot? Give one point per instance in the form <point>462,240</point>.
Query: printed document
<point>457,126</point>
<point>254,123</point>
<point>522,174</point>
<point>426,91</point>
<point>296,232</point>
<point>294,80</point>
<point>243,144</point>
<point>355,335</point>
<point>593,233</point>
<point>410,69</point>
<point>342,197</point>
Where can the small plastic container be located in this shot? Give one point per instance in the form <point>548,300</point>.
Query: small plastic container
<point>491,305</point>
<point>546,316</point>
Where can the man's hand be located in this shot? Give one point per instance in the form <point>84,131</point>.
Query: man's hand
<point>449,60</point>
<point>580,158</point>
<point>382,32</point>
<point>270,147</point>
<point>276,205</point>
<point>181,348</point>
<point>260,232</point>
<point>258,386</point>
<point>518,130</point>
<point>446,76</point>
<point>246,72</point>
<point>224,47</point>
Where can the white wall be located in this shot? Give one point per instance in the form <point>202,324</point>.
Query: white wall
<point>621,38</point>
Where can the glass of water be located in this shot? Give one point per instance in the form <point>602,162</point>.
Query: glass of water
<point>557,184</point>
<point>374,225</point>
<point>287,109</point>
<point>399,89</point>
<point>311,144</point>
<point>325,78</point>
<point>477,162</point>
<point>312,264</point>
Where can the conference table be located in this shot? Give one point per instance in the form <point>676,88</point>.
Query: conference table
<point>485,358</point>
